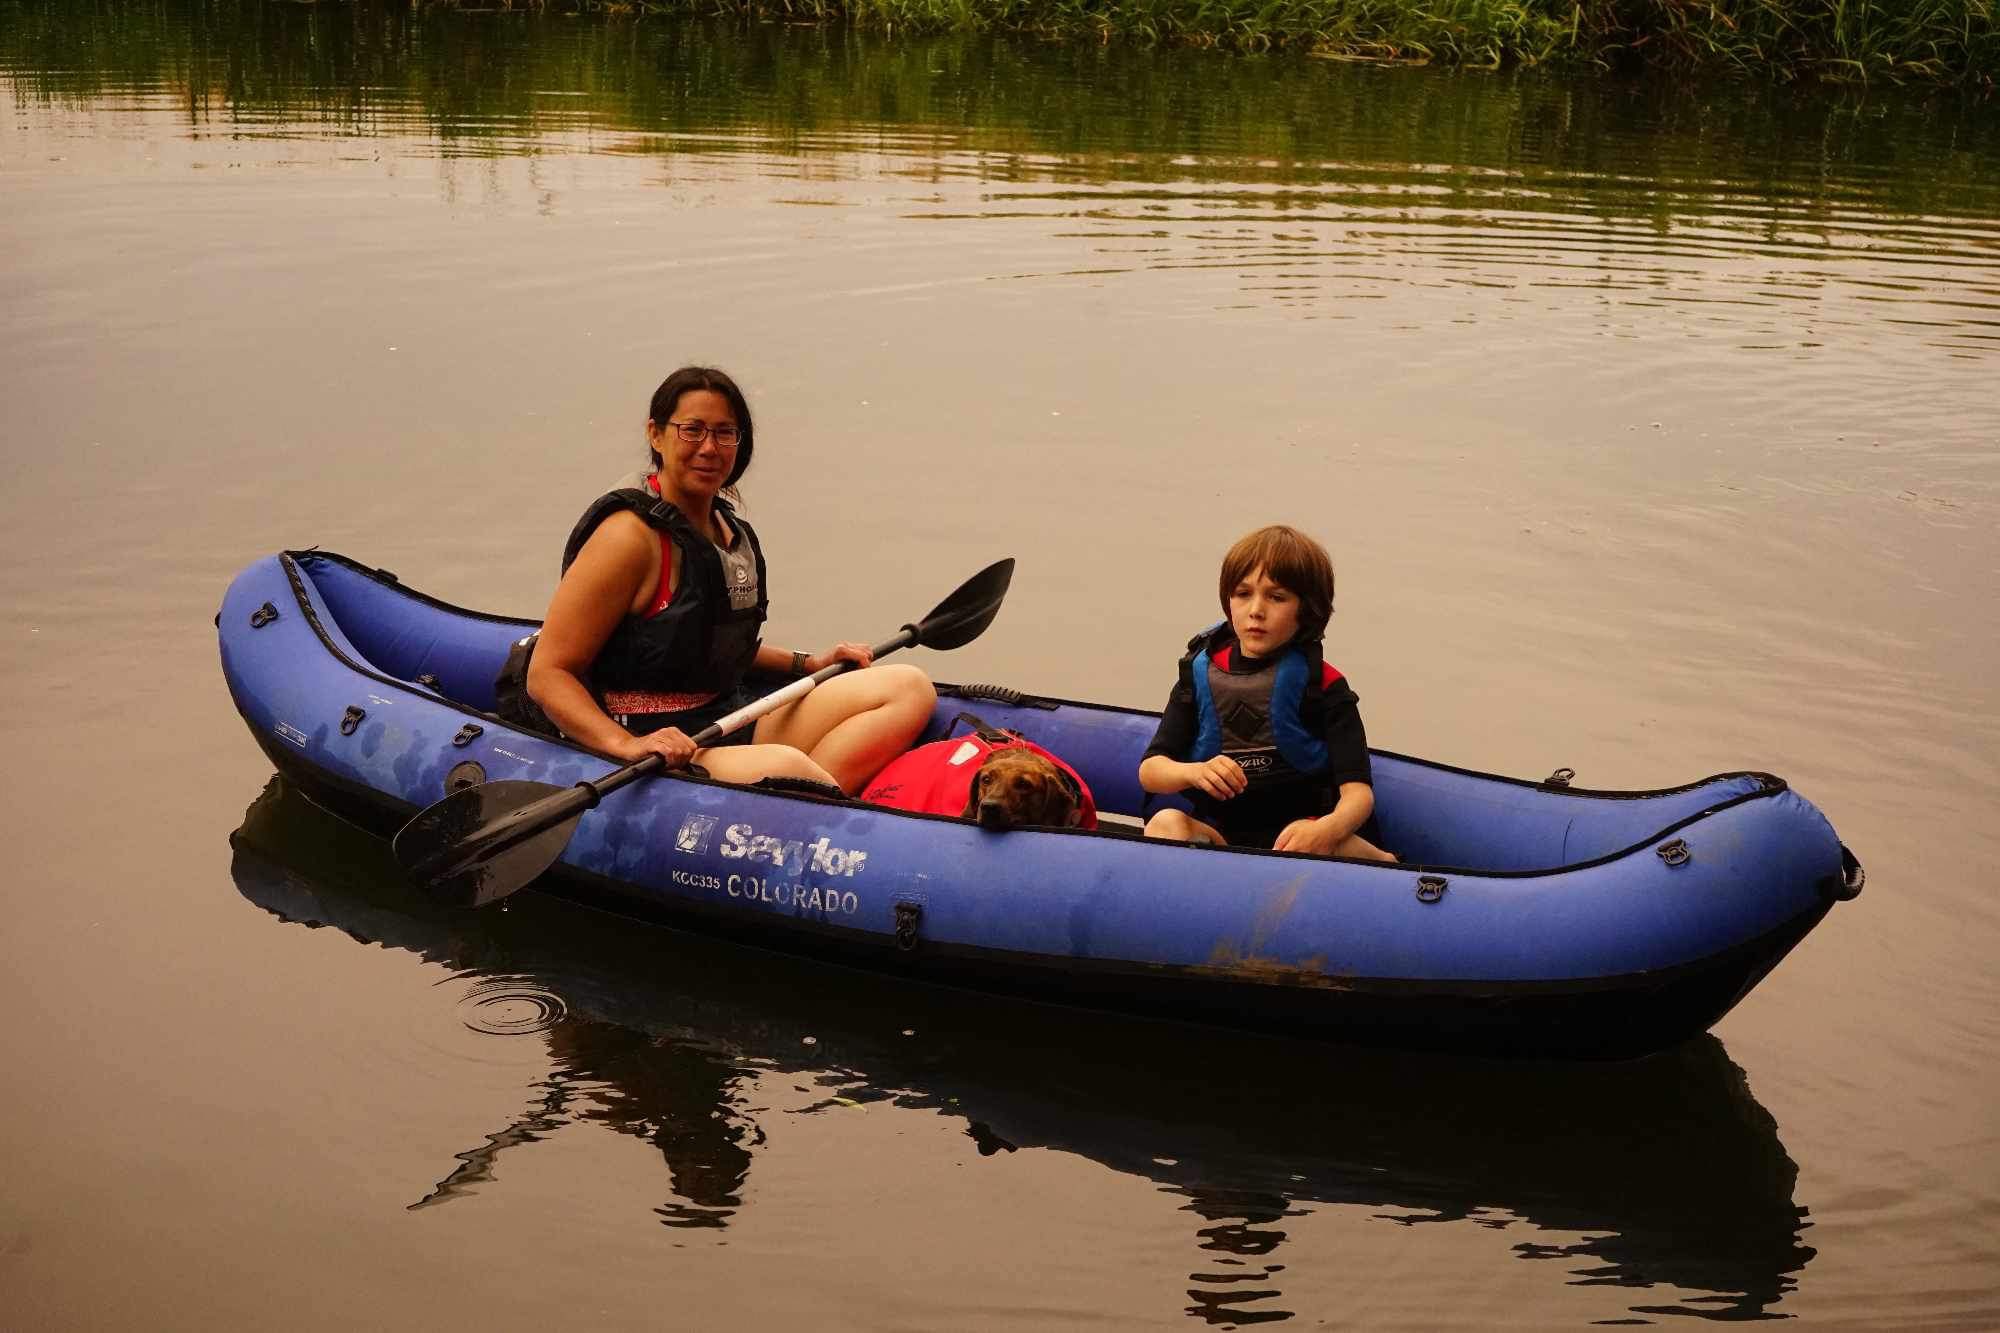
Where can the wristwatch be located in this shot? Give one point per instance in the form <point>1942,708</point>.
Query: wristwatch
<point>799,664</point>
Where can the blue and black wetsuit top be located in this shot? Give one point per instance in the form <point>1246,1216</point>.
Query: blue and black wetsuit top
<point>1291,721</point>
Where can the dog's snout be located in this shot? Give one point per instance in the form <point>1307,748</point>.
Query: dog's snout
<point>995,815</point>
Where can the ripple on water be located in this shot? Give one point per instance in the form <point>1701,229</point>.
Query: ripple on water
<point>510,1007</point>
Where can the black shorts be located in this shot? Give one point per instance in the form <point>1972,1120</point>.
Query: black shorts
<point>1264,837</point>
<point>1258,824</point>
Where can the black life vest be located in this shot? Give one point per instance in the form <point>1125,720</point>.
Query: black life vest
<point>698,642</point>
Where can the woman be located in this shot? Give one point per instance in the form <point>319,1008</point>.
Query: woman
<point>660,609</point>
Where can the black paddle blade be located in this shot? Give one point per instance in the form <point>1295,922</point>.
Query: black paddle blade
<point>964,616</point>
<point>482,843</point>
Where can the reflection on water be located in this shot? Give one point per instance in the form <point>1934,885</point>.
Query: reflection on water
<point>1663,1174</point>
<point>1243,1238</point>
<point>669,1092</point>
<point>1782,221</point>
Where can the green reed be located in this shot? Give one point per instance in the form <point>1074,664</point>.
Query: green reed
<point>934,60</point>
<point>1939,40</point>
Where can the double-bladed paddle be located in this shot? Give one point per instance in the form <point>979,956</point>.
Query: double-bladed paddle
<point>482,843</point>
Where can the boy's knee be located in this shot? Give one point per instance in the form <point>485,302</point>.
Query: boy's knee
<point>1168,824</point>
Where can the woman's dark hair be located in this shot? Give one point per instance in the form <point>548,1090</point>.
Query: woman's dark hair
<point>688,379</point>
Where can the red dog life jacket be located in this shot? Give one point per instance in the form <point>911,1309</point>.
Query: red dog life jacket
<point>936,779</point>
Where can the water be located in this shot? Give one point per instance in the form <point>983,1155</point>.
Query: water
<point>1652,429</point>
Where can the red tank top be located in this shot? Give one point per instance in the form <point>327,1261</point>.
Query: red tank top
<point>665,594</point>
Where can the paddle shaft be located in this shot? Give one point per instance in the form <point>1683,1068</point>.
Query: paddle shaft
<point>530,820</point>
<point>798,689</point>
<point>736,721</point>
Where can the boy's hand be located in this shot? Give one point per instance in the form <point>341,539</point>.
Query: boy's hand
<point>1306,835</point>
<point>1220,777</point>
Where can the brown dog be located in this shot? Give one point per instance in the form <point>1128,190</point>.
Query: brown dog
<point>997,778</point>
<point>1016,786</point>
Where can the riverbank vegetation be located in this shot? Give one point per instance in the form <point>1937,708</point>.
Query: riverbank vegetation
<point>1853,45</point>
<point>1646,151</point>
<point>1952,41</point>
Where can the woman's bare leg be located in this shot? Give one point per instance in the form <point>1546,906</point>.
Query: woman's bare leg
<point>1181,826</point>
<point>749,763</point>
<point>855,723</point>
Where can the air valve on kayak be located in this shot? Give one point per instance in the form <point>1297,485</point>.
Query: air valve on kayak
<point>351,719</point>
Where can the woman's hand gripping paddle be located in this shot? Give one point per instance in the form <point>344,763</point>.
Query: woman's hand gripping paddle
<point>482,843</point>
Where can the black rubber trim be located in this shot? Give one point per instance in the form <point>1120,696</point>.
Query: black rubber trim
<point>388,580</point>
<point>1771,785</point>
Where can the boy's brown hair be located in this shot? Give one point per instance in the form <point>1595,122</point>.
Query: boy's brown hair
<point>1289,557</point>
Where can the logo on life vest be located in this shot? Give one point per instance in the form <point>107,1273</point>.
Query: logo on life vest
<point>695,833</point>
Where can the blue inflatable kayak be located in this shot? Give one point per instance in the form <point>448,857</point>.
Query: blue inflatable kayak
<point>1526,918</point>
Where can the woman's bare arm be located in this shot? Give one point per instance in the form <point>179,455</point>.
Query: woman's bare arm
<point>609,577</point>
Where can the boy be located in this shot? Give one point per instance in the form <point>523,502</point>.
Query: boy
<point>1262,734</point>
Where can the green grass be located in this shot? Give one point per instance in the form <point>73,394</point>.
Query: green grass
<point>1953,41</point>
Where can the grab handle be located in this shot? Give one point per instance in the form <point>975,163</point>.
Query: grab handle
<point>1847,887</point>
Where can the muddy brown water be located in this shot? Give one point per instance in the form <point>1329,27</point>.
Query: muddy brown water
<point>1653,431</point>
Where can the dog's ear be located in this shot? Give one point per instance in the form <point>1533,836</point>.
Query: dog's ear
<point>1059,806</point>
<point>971,810</point>
<point>1072,796</point>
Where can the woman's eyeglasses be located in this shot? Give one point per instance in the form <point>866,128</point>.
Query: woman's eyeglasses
<point>694,432</point>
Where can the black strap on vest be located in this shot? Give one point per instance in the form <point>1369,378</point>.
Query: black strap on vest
<point>983,729</point>
<point>661,516</point>
<point>997,736</point>
<point>699,640</point>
